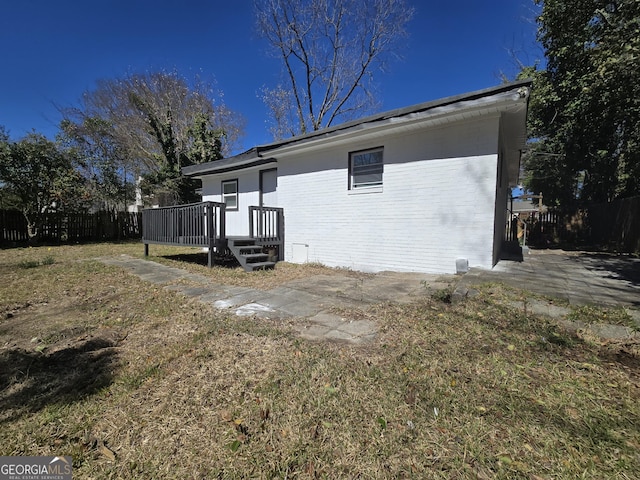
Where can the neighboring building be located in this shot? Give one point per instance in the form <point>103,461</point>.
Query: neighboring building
<point>527,203</point>
<point>139,204</point>
<point>423,188</point>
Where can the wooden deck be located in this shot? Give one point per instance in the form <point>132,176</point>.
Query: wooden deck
<point>204,225</point>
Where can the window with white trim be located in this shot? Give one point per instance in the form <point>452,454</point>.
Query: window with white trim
<point>365,169</point>
<point>230,194</point>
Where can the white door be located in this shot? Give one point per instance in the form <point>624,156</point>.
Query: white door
<point>268,188</point>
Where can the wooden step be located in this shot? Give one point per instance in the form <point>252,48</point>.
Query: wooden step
<point>249,248</point>
<point>241,242</point>
<point>249,255</point>
<point>253,257</point>
<point>259,266</point>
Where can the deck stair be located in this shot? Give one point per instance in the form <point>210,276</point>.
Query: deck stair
<point>249,254</point>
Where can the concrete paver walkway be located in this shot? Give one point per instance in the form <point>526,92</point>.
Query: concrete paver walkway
<point>576,277</point>
<point>580,278</point>
<point>310,299</point>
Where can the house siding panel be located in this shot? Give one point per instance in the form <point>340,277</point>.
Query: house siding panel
<point>437,202</point>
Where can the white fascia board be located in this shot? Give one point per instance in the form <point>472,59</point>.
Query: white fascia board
<point>490,106</point>
<point>235,171</point>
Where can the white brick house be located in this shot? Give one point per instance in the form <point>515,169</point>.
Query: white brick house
<point>414,189</point>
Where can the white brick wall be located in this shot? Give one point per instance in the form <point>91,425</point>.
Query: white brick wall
<point>248,194</point>
<point>437,202</point>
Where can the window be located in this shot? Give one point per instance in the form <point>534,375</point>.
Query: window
<point>230,194</point>
<point>365,169</point>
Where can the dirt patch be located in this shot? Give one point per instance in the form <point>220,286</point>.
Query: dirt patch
<point>40,326</point>
<point>70,370</point>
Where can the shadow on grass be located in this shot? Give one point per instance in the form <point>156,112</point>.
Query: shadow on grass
<point>30,381</point>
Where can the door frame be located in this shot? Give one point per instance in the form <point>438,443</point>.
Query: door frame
<point>261,182</point>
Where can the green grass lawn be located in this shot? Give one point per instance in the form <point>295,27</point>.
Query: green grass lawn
<point>135,381</point>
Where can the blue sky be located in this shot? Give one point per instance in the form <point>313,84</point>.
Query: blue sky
<point>53,51</point>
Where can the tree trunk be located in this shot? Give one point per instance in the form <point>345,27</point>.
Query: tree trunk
<point>33,232</point>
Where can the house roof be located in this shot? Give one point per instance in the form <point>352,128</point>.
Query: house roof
<point>247,159</point>
<point>264,154</point>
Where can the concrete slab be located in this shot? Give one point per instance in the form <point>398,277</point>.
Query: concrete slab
<point>286,294</point>
<point>304,298</point>
<point>195,278</point>
<point>212,296</point>
<point>234,291</point>
<point>276,301</point>
<point>246,297</point>
<point>538,307</point>
<point>255,309</point>
<point>614,332</point>
<point>328,320</point>
<point>159,278</point>
<point>338,335</point>
<point>190,291</point>
<point>301,309</point>
<point>358,328</point>
<point>223,304</point>
<point>577,277</point>
<point>312,332</point>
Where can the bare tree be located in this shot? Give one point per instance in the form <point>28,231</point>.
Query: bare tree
<point>330,50</point>
<point>159,122</point>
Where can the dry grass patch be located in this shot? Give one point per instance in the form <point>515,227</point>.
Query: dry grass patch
<point>176,390</point>
<point>196,262</point>
<point>282,273</point>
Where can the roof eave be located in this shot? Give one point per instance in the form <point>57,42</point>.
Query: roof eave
<point>416,113</point>
<point>230,164</point>
<point>401,112</point>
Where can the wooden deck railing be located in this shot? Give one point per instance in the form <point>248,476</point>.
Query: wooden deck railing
<point>203,225</point>
<point>195,225</point>
<point>266,227</point>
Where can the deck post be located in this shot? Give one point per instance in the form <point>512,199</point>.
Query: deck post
<point>146,249</point>
<point>222,233</point>
<point>251,210</point>
<point>211,232</point>
<point>281,235</point>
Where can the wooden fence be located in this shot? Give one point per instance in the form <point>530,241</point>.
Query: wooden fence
<point>613,226</point>
<point>544,229</point>
<point>71,227</point>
